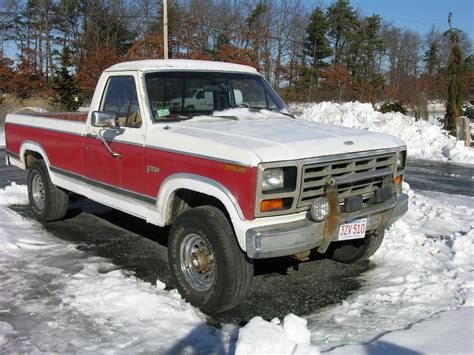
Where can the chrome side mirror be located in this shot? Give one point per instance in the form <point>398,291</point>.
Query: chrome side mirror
<point>104,119</point>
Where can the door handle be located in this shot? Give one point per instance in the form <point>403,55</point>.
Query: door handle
<point>91,135</point>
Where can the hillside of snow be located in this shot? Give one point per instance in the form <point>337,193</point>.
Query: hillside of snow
<point>56,298</point>
<point>425,140</point>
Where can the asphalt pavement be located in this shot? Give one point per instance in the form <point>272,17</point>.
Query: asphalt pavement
<point>281,286</point>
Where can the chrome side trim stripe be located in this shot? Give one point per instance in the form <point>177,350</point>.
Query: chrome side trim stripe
<point>105,186</point>
<point>12,155</point>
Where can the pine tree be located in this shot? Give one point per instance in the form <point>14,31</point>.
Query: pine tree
<point>342,23</point>
<point>316,45</point>
<point>66,92</point>
<point>431,59</point>
<point>455,74</point>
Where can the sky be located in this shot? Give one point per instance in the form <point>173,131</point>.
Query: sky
<point>420,15</point>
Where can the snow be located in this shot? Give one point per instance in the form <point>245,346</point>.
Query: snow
<point>2,138</point>
<point>14,195</point>
<point>425,140</point>
<point>56,298</point>
<point>420,289</point>
<point>424,266</point>
<point>260,337</point>
<point>446,333</point>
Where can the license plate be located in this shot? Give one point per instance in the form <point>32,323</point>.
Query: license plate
<point>352,230</point>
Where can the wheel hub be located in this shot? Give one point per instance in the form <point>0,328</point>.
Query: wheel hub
<point>197,262</point>
<point>38,192</point>
<point>202,261</point>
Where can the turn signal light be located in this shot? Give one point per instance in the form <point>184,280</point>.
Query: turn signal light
<point>269,205</point>
<point>398,179</point>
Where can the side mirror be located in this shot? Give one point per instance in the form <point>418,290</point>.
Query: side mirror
<point>104,119</point>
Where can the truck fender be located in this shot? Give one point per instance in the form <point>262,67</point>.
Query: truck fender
<point>206,186</point>
<point>34,147</point>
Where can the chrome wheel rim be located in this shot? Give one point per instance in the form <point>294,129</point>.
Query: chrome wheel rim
<point>38,192</point>
<point>197,262</point>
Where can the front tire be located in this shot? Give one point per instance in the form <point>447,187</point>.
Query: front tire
<point>207,265</point>
<point>48,202</point>
<point>350,252</point>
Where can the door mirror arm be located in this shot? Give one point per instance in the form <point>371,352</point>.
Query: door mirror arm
<point>106,144</point>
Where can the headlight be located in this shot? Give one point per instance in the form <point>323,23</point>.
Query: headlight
<point>273,179</point>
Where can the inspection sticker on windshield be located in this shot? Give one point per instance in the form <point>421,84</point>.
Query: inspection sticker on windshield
<point>162,112</point>
<point>353,230</point>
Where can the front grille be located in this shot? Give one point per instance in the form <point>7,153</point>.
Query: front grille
<point>350,177</point>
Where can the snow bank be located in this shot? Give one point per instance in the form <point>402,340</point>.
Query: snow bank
<point>424,140</point>
<point>14,195</point>
<point>424,266</point>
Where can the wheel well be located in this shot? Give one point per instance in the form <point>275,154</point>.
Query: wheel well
<point>184,199</point>
<point>31,156</point>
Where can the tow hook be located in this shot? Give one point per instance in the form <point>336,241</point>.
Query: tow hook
<point>302,256</point>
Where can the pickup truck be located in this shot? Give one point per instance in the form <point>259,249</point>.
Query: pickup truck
<point>239,181</point>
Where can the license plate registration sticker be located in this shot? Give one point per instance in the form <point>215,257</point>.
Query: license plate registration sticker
<point>353,230</point>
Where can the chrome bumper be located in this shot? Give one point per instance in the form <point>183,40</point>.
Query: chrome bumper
<point>292,238</point>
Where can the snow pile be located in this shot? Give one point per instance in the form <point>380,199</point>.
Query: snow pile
<point>424,266</point>
<point>291,337</point>
<point>14,195</point>
<point>424,140</point>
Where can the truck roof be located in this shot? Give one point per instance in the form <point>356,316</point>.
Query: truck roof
<point>180,64</point>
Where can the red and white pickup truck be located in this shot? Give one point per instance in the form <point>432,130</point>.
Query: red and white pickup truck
<point>237,179</point>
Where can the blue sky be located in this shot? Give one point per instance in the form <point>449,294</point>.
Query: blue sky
<point>420,15</point>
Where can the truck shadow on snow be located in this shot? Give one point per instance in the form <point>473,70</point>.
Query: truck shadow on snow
<point>281,286</point>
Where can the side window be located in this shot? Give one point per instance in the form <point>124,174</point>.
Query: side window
<point>121,97</point>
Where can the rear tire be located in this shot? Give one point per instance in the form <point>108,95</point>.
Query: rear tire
<point>355,250</point>
<point>207,265</point>
<point>48,202</point>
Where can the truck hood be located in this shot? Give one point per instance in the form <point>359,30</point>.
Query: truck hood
<point>285,138</point>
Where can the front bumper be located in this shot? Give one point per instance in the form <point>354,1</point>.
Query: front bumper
<point>292,238</point>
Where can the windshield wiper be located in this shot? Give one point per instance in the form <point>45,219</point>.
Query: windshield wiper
<point>257,109</point>
<point>235,118</point>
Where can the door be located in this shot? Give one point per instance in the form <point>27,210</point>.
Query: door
<point>123,174</point>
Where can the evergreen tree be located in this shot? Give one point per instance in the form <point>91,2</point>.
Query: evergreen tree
<point>316,46</point>
<point>432,59</point>
<point>66,92</point>
<point>455,74</point>
<point>342,22</point>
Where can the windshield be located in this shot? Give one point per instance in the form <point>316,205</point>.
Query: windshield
<point>176,95</point>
